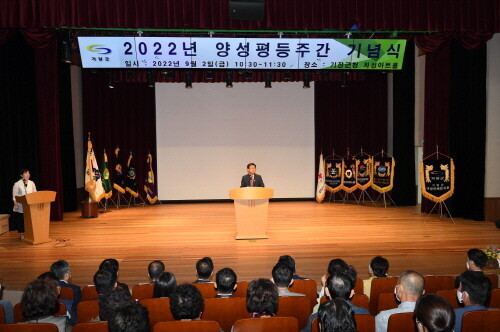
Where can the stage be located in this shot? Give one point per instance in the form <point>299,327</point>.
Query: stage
<point>180,234</point>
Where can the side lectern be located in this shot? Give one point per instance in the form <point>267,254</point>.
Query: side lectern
<point>36,208</point>
<point>251,204</point>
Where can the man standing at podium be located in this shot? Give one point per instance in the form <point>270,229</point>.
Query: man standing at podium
<point>251,179</point>
<point>22,187</point>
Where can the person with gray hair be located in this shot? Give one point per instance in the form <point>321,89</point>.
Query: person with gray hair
<point>408,290</point>
<point>62,271</point>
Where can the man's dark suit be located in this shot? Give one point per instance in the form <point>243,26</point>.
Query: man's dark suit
<point>257,181</point>
<point>77,296</point>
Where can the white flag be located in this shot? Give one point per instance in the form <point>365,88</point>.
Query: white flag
<point>93,180</point>
<point>320,189</point>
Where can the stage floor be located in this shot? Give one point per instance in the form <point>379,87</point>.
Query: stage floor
<point>180,234</point>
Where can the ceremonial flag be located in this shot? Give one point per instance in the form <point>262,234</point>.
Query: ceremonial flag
<point>334,174</point>
<point>149,183</point>
<point>383,173</point>
<point>437,177</point>
<point>106,182</point>
<point>350,174</point>
<point>131,186</point>
<point>364,168</point>
<point>320,189</point>
<point>118,179</point>
<point>93,181</point>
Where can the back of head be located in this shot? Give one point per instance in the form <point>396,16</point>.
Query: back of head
<point>336,316</point>
<point>379,266</point>
<point>109,303</point>
<point>225,280</point>
<point>435,313</point>
<point>39,300</point>
<point>110,264</point>
<point>413,283</point>
<point>204,267</point>
<point>477,286</point>
<point>288,261</point>
<point>478,257</point>
<point>164,285</point>
<point>60,268</point>
<point>262,297</point>
<point>50,278</point>
<point>186,302</point>
<point>104,281</point>
<point>340,286</point>
<point>131,317</point>
<point>155,268</point>
<point>336,264</point>
<point>282,275</point>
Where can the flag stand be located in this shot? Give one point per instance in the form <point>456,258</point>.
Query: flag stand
<point>347,195</point>
<point>118,200</point>
<point>384,193</point>
<point>133,198</point>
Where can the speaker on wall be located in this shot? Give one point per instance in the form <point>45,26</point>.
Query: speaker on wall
<point>250,10</point>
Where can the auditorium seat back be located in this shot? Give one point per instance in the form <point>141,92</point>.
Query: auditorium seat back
<point>359,300</point>
<point>484,321</point>
<point>18,313</point>
<point>88,311</point>
<point>207,290</point>
<point>493,278</point>
<point>379,286</point>
<point>145,291</point>
<point>365,323</point>
<point>386,301</point>
<point>402,322</point>
<point>89,293</point>
<point>22,327</point>
<point>2,315</point>
<point>91,327</point>
<point>241,289</point>
<point>187,326</point>
<point>307,287</point>
<point>270,324</point>
<point>451,296</point>
<point>437,283</point>
<point>66,293</point>
<point>495,299</point>
<point>295,306</point>
<point>159,310</point>
<point>358,287</point>
<point>225,311</point>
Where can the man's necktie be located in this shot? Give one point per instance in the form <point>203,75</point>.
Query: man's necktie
<point>251,181</point>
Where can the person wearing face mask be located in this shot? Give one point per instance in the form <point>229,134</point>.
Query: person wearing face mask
<point>476,261</point>
<point>408,290</point>
<point>22,187</point>
<point>473,292</point>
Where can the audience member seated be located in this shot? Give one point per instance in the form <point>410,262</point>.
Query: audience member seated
<point>225,282</point>
<point>290,262</point>
<point>186,303</point>
<point>262,298</point>
<point>52,279</point>
<point>378,268</point>
<point>408,290</point>
<point>434,314</point>
<point>476,261</point>
<point>340,286</point>
<point>8,309</point>
<point>204,269</point>
<point>336,316</point>
<point>164,285</point>
<point>334,264</point>
<point>105,282</point>
<point>155,268</point>
<point>111,302</point>
<point>112,265</point>
<point>283,278</point>
<point>131,317</point>
<point>62,270</point>
<point>39,304</point>
<point>473,292</point>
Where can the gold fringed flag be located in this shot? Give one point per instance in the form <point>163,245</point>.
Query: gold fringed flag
<point>320,189</point>
<point>334,174</point>
<point>383,173</point>
<point>437,177</point>
<point>364,168</point>
<point>131,183</point>
<point>93,181</point>
<point>149,182</point>
<point>106,182</point>
<point>118,179</point>
<point>350,174</point>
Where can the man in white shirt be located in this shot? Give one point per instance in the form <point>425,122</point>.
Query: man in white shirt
<point>409,288</point>
<point>22,187</point>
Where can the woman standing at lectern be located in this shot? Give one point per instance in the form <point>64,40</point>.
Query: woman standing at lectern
<point>22,187</point>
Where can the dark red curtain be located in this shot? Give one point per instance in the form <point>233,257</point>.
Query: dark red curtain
<point>124,117</point>
<point>444,15</point>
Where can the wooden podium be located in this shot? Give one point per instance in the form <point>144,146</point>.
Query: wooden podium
<point>251,205</point>
<point>36,208</point>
